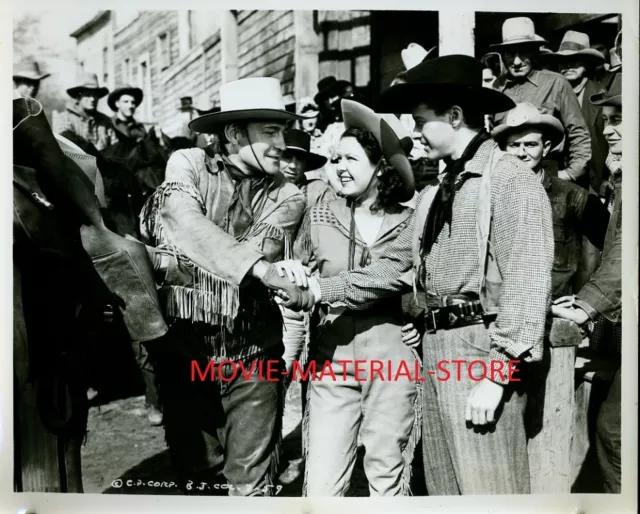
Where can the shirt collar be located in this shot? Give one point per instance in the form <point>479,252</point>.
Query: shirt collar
<point>72,108</point>
<point>533,78</point>
<point>477,164</point>
<point>580,88</point>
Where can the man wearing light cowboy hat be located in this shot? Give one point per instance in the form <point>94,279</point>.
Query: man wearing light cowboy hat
<point>481,245</point>
<point>548,91</point>
<point>81,117</point>
<point>577,62</point>
<point>218,222</point>
<point>27,77</point>
<point>530,135</point>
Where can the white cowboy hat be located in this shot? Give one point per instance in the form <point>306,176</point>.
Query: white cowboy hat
<point>525,115</point>
<point>413,55</point>
<point>517,31</point>
<point>30,70</point>
<point>576,44</point>
<point>257,98</point>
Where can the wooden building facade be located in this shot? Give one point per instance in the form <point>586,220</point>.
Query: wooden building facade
<point>176,54</point>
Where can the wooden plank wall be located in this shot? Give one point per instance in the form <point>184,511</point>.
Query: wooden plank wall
<point>139,37</point>
<point>266,42</point>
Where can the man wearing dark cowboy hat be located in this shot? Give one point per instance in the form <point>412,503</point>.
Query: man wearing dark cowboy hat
<point>219,221</point>
<point>330,92</point>
<point>27,77</point>
<point>81,117</point>
<point>548,91</point>
<point>598,304</point>
<point>124,102</point>
<point>487,305</point>
<point>301,166</point>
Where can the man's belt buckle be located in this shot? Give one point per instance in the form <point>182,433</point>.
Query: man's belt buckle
<point>430,321</point>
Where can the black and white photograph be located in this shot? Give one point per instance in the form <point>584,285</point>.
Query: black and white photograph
<point>310,254</point>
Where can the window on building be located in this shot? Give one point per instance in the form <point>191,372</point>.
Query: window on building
<point>144,83</point>
<point>164,51</point>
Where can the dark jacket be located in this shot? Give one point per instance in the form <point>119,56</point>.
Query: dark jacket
<point>575,213</point>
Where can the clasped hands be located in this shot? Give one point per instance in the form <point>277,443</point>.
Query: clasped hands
<point>292,285</point>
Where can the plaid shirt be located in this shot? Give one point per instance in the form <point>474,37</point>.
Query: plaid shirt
<point>523,237</point>
<point>97,129</point>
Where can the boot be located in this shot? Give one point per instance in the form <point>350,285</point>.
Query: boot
<point>123,265</point>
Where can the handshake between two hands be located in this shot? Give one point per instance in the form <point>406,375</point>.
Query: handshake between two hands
<point>292,285</point>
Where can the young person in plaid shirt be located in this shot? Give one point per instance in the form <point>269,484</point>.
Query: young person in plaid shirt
<point>474,438</point>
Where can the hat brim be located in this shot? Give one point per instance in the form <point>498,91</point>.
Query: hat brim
<point>548,124</point>
<point>29,76</point>
<point>588,53</point>
<point>213,122</point>
<point>358,115</point>
<point>135,92</point>
<point>332,90</point>
<point>402,98</point>
<point>539,40</point>
<point>603,99</point>
<point>75,91</point>
<point>313,161</point>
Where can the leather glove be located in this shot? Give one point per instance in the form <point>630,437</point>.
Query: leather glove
<point>293,297</point>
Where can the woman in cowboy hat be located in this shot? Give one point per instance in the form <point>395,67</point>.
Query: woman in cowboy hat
<point>81,116</point>
<point>480,246</point>
<point>344,234</point>
<point>219,221</point>
<point>548,91</point>
<point>27,77</point>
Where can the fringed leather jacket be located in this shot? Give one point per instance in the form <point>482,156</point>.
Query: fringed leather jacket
<point>207,252</point>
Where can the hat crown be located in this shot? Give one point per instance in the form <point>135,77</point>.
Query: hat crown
<point>462,70</point>
<point>89,80</point>
<point>615,89</point>
<point>251,94</point>
<point>518,28</point>
<point>522,113</point>
<point>413,55</point>
<point>28,66</point>
<point>294,138</point>
<point>573,40</point>
<point>326,82</point>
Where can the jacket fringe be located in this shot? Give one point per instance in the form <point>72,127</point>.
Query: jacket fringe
<point>305,439</point>
<point>414,438</point>
<point>150,219</point>
<point>267,231</point>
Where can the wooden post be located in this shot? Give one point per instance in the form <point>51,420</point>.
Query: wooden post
<point>228,46</point>
<point>306,52</point>
<point>550,411</point>
<point>456,32</point>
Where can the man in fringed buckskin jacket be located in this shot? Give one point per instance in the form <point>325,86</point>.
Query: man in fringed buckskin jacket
<point>217,222</point>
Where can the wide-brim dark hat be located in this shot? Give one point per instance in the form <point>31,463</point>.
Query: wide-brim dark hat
<point>575,44</point>
<point>393,138</point>
<point>298,142</point>
<point>115,95</point>
<point>328,87</point>
<point>89,82</point>
<point>450,75</point>
<point>202,112</point>
<point>612,96</point>
<point>250,99</point>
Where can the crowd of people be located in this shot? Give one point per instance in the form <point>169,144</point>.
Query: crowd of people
<point>331,235</point>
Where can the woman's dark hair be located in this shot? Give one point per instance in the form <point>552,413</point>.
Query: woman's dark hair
<point>389,182</point>
<point>493,61</point>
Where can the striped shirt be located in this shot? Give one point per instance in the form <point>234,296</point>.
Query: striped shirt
<point>96,129</point>
<point>523,238</point>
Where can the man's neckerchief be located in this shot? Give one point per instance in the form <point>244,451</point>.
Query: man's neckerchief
<point>441,210</point>
<point>240,209</point>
